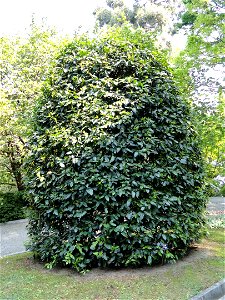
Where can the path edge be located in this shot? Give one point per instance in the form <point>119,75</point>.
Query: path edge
<point>216,291</point>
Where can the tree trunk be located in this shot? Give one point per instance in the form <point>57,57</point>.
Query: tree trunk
<point>15,159</point>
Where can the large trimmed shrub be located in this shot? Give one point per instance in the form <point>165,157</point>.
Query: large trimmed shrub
<point>115,174</point>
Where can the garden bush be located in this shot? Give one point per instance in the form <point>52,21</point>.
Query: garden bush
<point>222,191</point>
<point>114,175</point>
<point>12,206</point>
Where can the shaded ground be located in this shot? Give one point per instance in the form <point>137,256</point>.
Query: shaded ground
<point>197,253</point>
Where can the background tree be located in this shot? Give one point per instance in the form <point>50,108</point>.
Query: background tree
<point>24,63</point>
<point>155,16</point>
<point>210,124</point>
<point>204,52</point>
<point>200,69</point>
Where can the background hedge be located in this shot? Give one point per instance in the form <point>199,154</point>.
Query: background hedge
<point>115,174</point>
<point>12,206</point>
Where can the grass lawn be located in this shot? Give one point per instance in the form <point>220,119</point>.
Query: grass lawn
<point>22,278</point>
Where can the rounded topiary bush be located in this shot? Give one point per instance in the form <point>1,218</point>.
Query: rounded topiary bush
<point>114,173</point>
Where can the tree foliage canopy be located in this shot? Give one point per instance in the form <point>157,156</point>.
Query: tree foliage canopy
<point>24,63</point>
<point>200,69</point>
<point>155,16</point>
<point>204,53</point>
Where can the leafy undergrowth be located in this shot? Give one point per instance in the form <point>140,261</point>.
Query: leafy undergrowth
<point>23,278</point>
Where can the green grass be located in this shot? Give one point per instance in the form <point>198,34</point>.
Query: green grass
<point>22,278</point>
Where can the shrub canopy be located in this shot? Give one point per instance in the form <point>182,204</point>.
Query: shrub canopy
<point>114,173</point>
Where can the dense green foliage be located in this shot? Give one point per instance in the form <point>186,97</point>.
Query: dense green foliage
<point>114,172</point>
<point>12,206</point>
<point>223,190</point>
<point>24,64</point>
<point>200,69</point>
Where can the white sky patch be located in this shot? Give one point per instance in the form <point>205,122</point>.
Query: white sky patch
<point>65,15</point>
<point>178,43</point>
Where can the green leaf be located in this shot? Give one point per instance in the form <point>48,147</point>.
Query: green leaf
<point>183,161</point>
<point>90,191</point>
<point>149,260</point>
<point>80,214</point>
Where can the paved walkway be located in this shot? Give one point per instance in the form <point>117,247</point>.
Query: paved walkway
<point>216,205</point>
<point>13,234</point>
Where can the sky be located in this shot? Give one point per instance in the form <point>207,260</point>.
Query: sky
<point>65,15</point>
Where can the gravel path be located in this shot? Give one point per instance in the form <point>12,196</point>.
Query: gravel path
<point>13,234</point>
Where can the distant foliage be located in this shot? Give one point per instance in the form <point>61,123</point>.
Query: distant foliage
<point>114,172</point>
<point>12,206</point>
<point>24,64</point>
<point>155,16</point>
<point>200,68</point>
